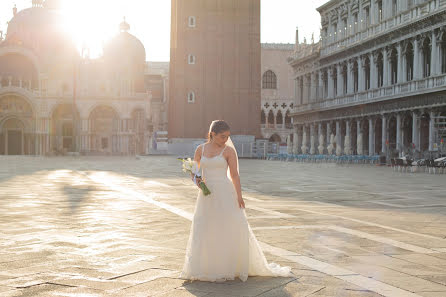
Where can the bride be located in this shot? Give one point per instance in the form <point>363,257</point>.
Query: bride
<point>221,244</point>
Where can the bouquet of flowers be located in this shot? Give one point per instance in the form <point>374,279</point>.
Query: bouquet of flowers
<point>192,167</point>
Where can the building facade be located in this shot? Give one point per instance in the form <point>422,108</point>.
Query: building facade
<point>214,67</point>
<point>277,92</point>
<point>376,81</point>
<point>54,99</point>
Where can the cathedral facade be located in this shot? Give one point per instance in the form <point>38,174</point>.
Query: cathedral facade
<point>55,100</point>
<point>376,81</point>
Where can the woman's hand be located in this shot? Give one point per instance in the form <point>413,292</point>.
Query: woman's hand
<point>241,203</point>
<point>198,180</point>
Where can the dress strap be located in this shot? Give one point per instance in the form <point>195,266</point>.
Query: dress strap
<point>223,150</point>
<point>202,149</point>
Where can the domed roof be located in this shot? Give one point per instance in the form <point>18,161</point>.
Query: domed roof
<point>125,44</point>
<point>33,19</point>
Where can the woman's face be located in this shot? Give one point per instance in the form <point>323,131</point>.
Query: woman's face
<point>220,138</point>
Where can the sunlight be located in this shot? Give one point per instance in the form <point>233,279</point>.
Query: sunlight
<point>92,23</point>
<point>88,25</point>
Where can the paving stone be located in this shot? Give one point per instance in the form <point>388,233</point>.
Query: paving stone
<point>63,233</point>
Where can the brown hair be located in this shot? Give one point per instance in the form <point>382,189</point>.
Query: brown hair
<point>218,126</point>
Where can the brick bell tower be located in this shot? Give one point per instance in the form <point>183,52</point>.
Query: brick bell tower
<point>214,66</point>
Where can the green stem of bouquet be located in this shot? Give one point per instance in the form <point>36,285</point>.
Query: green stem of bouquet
<point>205,189</point>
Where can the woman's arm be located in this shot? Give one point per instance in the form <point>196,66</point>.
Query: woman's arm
<point>197,158</point>
<point>232,163</point>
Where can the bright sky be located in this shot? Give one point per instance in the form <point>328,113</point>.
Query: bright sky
<point>95,21</point>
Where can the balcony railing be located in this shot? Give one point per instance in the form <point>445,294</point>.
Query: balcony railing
<point>432,83</point>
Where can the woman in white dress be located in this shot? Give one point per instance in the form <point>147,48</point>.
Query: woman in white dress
<point>221,244</point>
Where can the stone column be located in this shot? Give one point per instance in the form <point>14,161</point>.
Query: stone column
<point>320,91</point>
<point>358,135</point>
<point>350,80</point>
<point>313,87</point>
<point>400,64</point>
<point>295,140</point>
<point>431,130</point>
<point>360,75</point>
<point>398,134</point>
<point>416,60</point>
<point>312,140</point>
<point>373,80</point>
<point>338,135</point>
<point>328,133</point>
<point>340,85</point>
<point>434,61</point>
<point>306,88</point>
<point>415,130</point>
<point>384,135</point>
<point>386,74</point>
<point>296,93</point>
<point>319,133</point>
<point>371,138</point>
<point>331,82</point>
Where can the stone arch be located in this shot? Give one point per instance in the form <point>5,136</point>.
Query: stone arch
<point>391,132</point>
<point>275,138</point>
<point>104,122</point>
<point>406,131</point>
<point>24,52</point>
<point>377,126</point>
<point>63,127</point>
<point>262,117</point>
<point>424,131</point>
<point>271,118</point>
<point>12,136</point>
<point>279,118</point>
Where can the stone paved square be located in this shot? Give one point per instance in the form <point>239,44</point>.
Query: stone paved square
<point>107,226</point>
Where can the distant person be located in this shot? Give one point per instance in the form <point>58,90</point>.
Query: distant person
<point>221,243</point>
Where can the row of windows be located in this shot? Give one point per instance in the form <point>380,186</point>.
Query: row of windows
<point>407,68</point>
<point>341,29</point>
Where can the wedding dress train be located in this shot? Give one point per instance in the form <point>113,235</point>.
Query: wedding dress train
<point>221,244</point>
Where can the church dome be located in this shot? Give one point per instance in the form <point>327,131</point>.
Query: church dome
<point>38,28</point>
<point>125,45</point>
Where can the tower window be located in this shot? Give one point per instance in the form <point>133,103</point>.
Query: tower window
<point>192,22</point>
<point>191,97</point>
<point>191,59</point>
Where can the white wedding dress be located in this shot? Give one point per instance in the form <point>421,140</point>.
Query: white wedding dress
<point>221,244</point>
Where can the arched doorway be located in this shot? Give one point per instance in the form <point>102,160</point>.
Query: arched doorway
<point>275,138</point>
<point>378,135</point>
<point>13,131</point>
<point>424,132</point>
<point>104,122</point>
<point>392,133</point>
<point>279,120</point>
<point>64,128</point>
<point>262,117</point>
<point>354,136</point>
<point>16,118</point>
<point>270,119</point>
<point>365,136</point>
<point>406,132</point>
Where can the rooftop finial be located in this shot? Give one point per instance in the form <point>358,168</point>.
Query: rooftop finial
<point>124,26</point>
